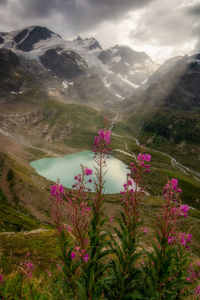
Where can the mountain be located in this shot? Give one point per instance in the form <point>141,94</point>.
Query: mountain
<point>166,111</point>
<point>118,71</point>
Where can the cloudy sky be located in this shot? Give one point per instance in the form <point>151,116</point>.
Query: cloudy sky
<point>161,28</point>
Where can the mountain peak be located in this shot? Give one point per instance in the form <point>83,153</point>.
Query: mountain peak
<point>78,38</point>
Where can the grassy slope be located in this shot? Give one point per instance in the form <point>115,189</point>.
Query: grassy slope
<point>87,120</point>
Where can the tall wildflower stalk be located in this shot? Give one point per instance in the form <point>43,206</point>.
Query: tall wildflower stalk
<point>73,236</point>
<point>92,281</point>
<point>126,240</point>
<point>98,264</point>
<point>165,272</point>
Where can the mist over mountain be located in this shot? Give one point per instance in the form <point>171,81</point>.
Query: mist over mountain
<point>117,71</point>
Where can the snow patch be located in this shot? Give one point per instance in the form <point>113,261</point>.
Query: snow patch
<point>106,84</point>
<point>116,59</point>
<point>119,96</point>
<point>66,84</point>
<point>128,81</point>
<point>114,50</point>
<point>16,93</point>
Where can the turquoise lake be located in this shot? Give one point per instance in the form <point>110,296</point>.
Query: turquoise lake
<point>67,167</point>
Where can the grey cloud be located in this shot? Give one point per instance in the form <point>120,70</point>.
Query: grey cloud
<point>166,25</point>
<point>194,10</point>
<point>78,14</point>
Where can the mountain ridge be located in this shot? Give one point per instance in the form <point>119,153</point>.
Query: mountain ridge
<point>32,42</point>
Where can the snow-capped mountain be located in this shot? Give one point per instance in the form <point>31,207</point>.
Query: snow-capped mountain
<point>120,69</point>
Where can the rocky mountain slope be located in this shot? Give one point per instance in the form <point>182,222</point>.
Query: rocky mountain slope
<point>166,112</point>
<point>115,73</point>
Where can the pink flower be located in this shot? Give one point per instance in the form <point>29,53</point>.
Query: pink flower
<point>184,209</point>
<point>88,171</point>
<point>129,182</point>
<point>101,141</point>
<point>197,290</point>
<point>145,230</point>
<point>185,238</point>
<point>73,255</point>
<point>122,192</point>
<point>174,182</point>
<point>30,266</point>
<point>69,229</point>
<point>144,157</point>
<point>57,190</point>
<point>171,239</point>
<point>1,279</point>
<point>86,258</point>
<point>111,219</point>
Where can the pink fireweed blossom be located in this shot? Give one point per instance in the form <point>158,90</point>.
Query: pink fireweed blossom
<point>101,142</point>
<point>1,279</point>
<point>184,210</point>
<point>185,239</point>
<point>197,290</point>
<point>111,219</point>
<point>171,240</point>
<point>86,258</point>
<point>73,255</point>
<point>57,190</point>
<point>171,190</point>
<point>144,157</point>
<point>145,230</point>
<point>171,215</point>
<point>105,135</point>
<point>87,171</point>
<point>57,193</point>
<point>27,269</point>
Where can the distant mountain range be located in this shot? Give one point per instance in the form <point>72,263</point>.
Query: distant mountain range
<point>78,69</point>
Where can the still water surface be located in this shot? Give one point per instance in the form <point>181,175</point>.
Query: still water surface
<point>67,167</point>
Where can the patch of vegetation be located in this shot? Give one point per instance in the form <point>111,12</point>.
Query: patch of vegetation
<point>3,198</point>
<point>13,220</point>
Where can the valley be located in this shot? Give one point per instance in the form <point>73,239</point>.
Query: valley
<point>55,95</point>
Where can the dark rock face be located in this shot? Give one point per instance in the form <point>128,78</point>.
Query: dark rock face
<point>20,35</point>
<point>104,57</point>
<point>95,45</point>
<point>1,40</point>
<point>9,64</point>
<point>172,103</point>
<point>37,34</point>
<point>64,65</point>
<point>126,54</point>
<point>8,61</point>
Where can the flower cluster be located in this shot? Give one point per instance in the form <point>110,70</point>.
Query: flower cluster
<point>171,215</point>
<point>171,188</point>
<point>79,254</point>
<point>80,182</point>
<point>180,211</point>
<point>194,275</point>
<point>142,158</point>
<point>140,166</point>
<point>57,193</point>
<point>87,171</point>
<point>102,141</point>
<point>27,268</point>
<point>128,186</point>
<point>181,238</point>
<point>1,279</point>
